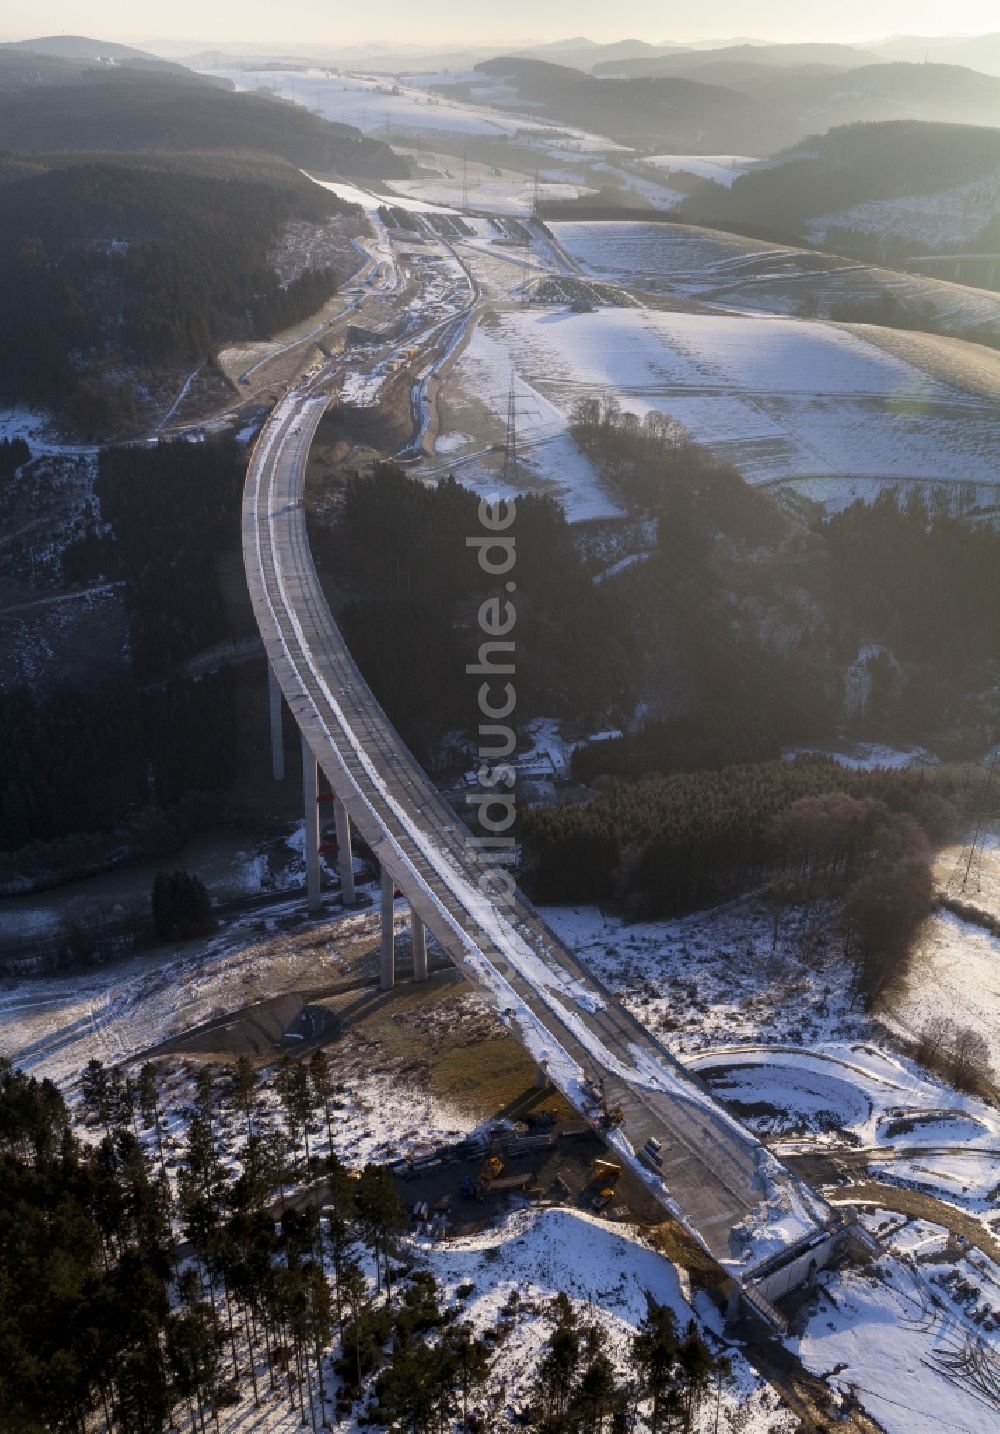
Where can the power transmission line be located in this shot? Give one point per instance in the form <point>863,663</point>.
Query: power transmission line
<point>969,867</point>
<point>510,447</point>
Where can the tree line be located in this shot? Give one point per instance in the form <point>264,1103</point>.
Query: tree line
<point>759,629</point>
<point>290,303</point>
<point>399,548</point>
<point>134,1298</point>
<point>146,266</point>
<point>850,165</point>
<point>172,510</point>
<point>123,110</point>
<point>129,1301</point>
<point>777,629</point>
<point>13,452</point>
<point>85,758</point>
<point>664,846</point>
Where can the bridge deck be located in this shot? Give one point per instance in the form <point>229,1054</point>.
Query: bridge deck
<point>714,1172</point>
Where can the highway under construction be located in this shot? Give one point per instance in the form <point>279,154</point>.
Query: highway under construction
<point>700,1164</point>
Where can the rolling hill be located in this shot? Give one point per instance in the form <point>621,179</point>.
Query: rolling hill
<point>77,47</point>
<point>55,103</point>
<point>136,263</point>
<point>979,52</point>
<point>749,99</point>
<point>652,113</point>
<point>836,176</point>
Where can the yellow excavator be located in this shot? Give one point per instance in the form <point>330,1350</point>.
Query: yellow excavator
<point>492,1168</point>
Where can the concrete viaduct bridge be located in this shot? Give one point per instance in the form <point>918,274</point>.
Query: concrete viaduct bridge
<point>703,1167</point>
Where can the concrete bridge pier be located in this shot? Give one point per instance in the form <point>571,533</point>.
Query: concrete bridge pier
<point>277,726</point>
<point>388,951</point>
<point>418,940</point>
<point>345,854</point>
<point>310,806</point>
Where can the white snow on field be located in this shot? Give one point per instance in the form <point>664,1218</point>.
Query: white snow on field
<point>688,259</point>
<point>370,202</point>
<point>723,168</point>
<point>967,1178</point>
<point>780,398</point>
<point>889,1335</point>
<point>548,1251</point>
<point>956,966</point>
<point>498,192</point>
<point>653,192</point>
<point>607,1273</point>
<point>939,221</point>
<point>386,108</point>
<point>754,276</point>
<point>766,1018</point>
<point>549,460</point>
<point>52,1025</point>
<point>882,1099</point>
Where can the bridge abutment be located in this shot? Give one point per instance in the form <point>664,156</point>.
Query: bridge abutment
<point>388,950</point>
<point>310,807</point>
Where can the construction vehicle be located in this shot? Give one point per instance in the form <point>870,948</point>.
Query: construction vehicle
<point>611,1116</point>
<point>607,1171</point>
<point>524,1144</point>
<point>511,1183</point>
<point>492,1168</point>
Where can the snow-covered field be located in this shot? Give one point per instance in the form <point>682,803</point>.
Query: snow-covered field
<point>955,968</point>
<point>755,276</point>
<point>939,221</point>
<point>767,1012</point>
<point>767,1019</point>
<point>382,107</point>
<point>443,179</point>
<point>476,396</point>
<point>52,1025</point>
<point>782,399</point>
<point>723,168</point>
<point>899,1340</point>
<point>607,1273</point>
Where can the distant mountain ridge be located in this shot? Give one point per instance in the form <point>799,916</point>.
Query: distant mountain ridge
<point>686,62</point>
<point>61,103</point>
<point>978,52</point>
<point>679,114</point>
<point>835,175</point>
<point>747,106</point>
<point>77,47</point>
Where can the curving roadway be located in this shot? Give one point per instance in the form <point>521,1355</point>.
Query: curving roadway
<point>714,1173</point>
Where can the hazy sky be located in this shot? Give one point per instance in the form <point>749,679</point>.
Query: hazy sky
<point>487,21</point>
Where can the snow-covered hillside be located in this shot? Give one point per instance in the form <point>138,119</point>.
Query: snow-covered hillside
<point>782,399</point>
